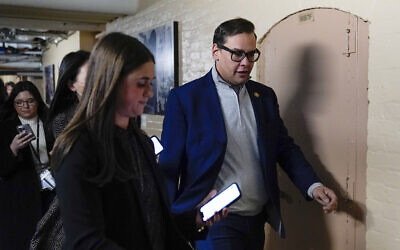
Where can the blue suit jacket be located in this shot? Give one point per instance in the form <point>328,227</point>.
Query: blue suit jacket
<point>194,140</point>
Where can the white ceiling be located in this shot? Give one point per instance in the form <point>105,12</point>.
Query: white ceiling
<point>100,6</point>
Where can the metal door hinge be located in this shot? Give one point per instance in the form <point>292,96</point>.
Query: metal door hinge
<point>351,43</point>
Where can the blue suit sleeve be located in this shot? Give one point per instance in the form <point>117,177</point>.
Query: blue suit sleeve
<point>173,139</point>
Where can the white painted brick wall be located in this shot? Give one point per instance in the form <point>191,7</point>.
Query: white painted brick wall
<point>197,21</point>
<point>383,172</point>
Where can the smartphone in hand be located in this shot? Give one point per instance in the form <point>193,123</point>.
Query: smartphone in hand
<point>27,128</point>
<point>220,201</point>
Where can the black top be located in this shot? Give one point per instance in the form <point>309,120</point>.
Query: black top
<point>144,181</point>
<point>20,200</point>
<point>60,121</point>
<point>120,214</point>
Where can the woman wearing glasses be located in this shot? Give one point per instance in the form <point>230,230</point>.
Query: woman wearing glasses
<point>24,155</point>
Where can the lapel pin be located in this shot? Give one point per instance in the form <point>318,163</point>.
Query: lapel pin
<point>256,94</point>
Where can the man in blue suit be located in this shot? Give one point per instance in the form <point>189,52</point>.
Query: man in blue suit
<point>224,128</point>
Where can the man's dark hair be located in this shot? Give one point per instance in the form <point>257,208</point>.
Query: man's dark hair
<point>232,27</point>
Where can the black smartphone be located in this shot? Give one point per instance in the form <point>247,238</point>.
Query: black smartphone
<point>27,128</point>
<point>157,144</point>
<point>220,201</point>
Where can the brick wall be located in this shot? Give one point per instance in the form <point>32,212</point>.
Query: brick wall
<point>383,172</point>
<point>197,21</point>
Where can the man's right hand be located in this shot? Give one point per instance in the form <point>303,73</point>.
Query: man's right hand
<point>217,216</point>
<point>326,197</point>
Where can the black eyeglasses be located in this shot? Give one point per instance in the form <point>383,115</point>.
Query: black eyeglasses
<point>239,55</point>
<point>29,102</point>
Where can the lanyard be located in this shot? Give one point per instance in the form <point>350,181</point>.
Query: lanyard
<point>36,152</point>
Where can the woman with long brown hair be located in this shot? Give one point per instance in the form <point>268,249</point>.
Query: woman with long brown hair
<point>110,191</point>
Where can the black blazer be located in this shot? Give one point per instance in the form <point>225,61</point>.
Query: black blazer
<point>20,200</point>
<point>107,217</point>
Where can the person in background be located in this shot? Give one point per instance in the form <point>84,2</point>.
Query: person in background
<point>224,128</point>
<point>3,93</point>
<point>24,156</point>
<point>71,82</point>
<point>9,87</point>
<point>70,85</point>
<point>108,185</point>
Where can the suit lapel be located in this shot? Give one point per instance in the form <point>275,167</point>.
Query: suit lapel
<point>213,105</point>
<point>259,113</point>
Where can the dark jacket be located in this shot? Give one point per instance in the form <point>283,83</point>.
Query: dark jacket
<point>110,216</point>
<point>49,233</point>
<point>57,124</point>
<point>20,200</point>
<point>194,140</point>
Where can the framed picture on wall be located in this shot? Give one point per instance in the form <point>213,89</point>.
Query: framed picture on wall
<point>163,43</point>
<point>49,82</point>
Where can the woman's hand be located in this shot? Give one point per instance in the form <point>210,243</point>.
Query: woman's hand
<point>217,216</point>
<point>20,141</point>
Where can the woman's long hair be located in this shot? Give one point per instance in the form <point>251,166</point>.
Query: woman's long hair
<point>111,60</point>
<point>64,97</point>
<point>8,110</point>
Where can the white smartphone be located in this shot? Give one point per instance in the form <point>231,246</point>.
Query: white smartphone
<point>220,201</point>
<point>157,144</point>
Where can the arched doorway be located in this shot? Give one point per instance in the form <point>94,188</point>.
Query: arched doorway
<point>317,62</point>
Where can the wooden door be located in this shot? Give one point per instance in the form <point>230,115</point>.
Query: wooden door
<point>316,60</point>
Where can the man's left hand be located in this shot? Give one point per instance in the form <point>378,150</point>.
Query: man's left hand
<point>326,197</point>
